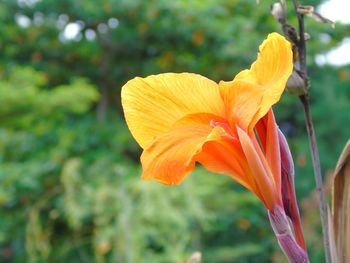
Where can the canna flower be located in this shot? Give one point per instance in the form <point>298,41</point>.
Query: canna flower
<point>183,119</point>
<point>228,127</point>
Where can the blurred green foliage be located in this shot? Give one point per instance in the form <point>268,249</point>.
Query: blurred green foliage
<point>69,172</point>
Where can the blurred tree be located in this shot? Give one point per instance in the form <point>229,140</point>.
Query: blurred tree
<point>69,185</point>
<point>111,41</point>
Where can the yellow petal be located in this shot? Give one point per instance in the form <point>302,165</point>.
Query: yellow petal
<point>153,104</point>
<point>242,100</point>
<point>272,70</point>
<point>262,85</point>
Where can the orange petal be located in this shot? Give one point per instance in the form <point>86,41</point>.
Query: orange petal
<point>171,156</point>
<point>260,171</point>
<point>273,156</point>
<point>242,100</point>
<point>223,155</point>
<point>268,135</point>
<point>264,81</point>
<point>153,104</point>
<point>261,130</point>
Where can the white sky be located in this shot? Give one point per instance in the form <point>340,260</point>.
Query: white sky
<point>337,11</point>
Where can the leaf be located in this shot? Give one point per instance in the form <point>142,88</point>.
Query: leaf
<point>332,245</point>
<point>341,205</point>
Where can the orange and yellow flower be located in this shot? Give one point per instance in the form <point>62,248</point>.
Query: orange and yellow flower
<point>228,127</point>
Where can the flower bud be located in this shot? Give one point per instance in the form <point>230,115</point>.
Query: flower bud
<point>288,189</point>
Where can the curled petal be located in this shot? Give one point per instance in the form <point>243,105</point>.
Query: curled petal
<point>271,71</point>
<point>264,81</point>
<point>170,157</point>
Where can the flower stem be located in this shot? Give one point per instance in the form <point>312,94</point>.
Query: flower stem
<point>301,45</point>
<point>318,176</point>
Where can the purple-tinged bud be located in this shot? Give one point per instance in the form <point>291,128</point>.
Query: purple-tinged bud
<point>280,225</point>
<point>286,156</point>
<point>292,250</point>
<point>287,174</point>
<point>288,189</point>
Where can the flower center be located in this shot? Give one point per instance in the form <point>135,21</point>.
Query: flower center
<point>231,133</point>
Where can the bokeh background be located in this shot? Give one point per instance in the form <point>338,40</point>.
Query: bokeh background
<point>69,169</point>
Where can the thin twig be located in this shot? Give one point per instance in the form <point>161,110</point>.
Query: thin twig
<point>311,133</point>
<point>301,42</point>
<point>318,177</point>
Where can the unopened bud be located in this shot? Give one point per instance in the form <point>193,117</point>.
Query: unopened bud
<point>307,36</point>
<point>296,85</point>
<point>287,164</point>
<point>278,12</point>
<point>288,189</point>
